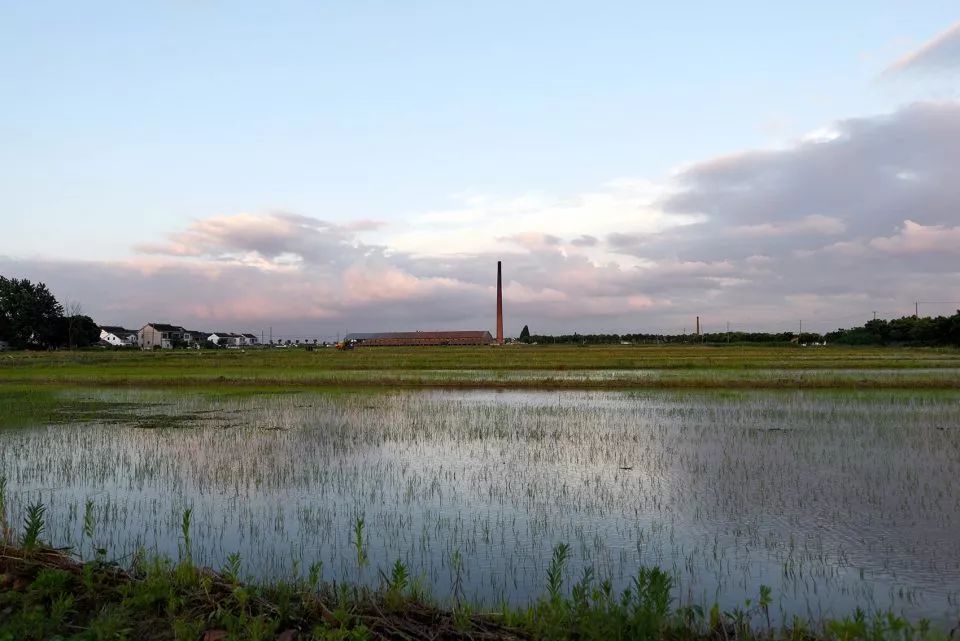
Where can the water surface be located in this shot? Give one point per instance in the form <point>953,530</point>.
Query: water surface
<point>833,499</point>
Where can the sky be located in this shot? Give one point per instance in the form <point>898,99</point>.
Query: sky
<point>323,167</point>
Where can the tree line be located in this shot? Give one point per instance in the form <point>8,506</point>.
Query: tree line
<point>32,318</point>
<point>907,331</point>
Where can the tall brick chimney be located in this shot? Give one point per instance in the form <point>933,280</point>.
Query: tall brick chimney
<point>499,306</point>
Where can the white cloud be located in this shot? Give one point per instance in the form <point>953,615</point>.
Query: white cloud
<point>916,238</point>
<point>940,52</point>
<point>482,222</point>
<point>815,224</point>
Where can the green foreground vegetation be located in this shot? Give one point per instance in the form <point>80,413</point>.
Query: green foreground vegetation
<point>516,366</point>
<point>47,594</point>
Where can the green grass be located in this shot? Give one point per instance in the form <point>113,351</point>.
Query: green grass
<point>46,594</point>
<point>608,367</point>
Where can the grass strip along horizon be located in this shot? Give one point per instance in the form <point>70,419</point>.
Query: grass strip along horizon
<point>519,366</point>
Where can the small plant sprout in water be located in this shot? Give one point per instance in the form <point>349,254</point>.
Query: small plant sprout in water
<point>456,569</point>
<point>89,524</point>
<point>315,574</point>
<point>33,526</point>
<point>5,534</point>
<point>397,584</point>
<point>358,543</point>
<point>561,554</point>
<point>185,551</point>
<point>231,569</point>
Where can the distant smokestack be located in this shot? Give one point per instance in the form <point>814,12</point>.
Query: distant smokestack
<point>499,305</point>
<point>698,325</point>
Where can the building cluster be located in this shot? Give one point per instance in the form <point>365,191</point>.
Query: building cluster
<point>166,336</point>
<point>414,339</point>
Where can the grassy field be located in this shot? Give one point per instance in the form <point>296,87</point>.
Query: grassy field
<point>610,367</point>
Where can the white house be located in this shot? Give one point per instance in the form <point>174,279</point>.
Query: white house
<point>250,339</point>
<point>226,339</point>
<point>118,336</point>
<point>161,336</point>
<point>195,338</point>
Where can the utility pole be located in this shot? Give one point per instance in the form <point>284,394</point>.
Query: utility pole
<point>916,309</point>
<point>874,314</point>
<point>271,334</point>
<point>800,335</point>
<point>728,331</point>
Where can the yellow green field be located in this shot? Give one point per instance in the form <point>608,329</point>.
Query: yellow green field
<point>620,366</point>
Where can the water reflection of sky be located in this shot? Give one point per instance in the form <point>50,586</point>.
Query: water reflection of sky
<point>834,500</point>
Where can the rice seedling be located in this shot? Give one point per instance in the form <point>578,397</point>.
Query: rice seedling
<point>186,551</point>
<point>358,543</point>
<point>5,533</point>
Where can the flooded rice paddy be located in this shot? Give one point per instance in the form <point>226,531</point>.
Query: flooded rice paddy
<point>835,500</point>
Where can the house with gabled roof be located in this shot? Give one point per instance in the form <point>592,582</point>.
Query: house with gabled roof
<point>196,337</point>
<point>116,336</point>
<point>161,336</point>
<point>226,339</point>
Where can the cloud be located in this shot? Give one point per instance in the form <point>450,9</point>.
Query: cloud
<point>481,222</point>
<point>868,178</point>
<point>818,225</point>
<point>584,240</point>
<point>533,240</point>
<point>940,53</point>
<point>267,240</point>
<point>915,238</point>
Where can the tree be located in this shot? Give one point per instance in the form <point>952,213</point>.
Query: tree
<point>30,316</point>
<point>77,330</point>
<point>525,333</point>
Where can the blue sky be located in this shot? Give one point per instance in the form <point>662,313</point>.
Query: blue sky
<point>123,124</point>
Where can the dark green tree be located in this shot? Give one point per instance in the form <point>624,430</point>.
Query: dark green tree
<point>30,316</point>
<point>77,331</point>
<point>525,333</point>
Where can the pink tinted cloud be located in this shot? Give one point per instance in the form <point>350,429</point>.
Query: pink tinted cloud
<point>942,51</point>
<point>263,236</point>
<point>915,238</point>
<point>362,285</point>
<point>534,240</point>
<point>814,224</point>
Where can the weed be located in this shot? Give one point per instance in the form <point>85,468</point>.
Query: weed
<point>185,550</point>
<point>5,534</point>
<point>358,542</point>
<point>33,526</point>
<point>561,554</point>
<point>231,570</point>
<point>315,574</point>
